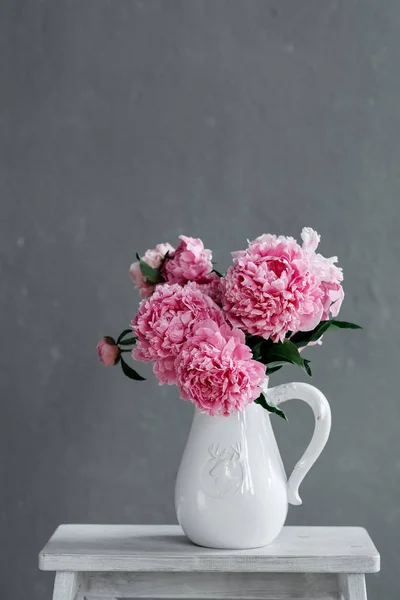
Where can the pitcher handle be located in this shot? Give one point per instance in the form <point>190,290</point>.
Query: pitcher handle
<point>322,413</point>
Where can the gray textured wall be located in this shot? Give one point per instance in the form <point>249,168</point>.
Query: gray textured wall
<point>126,123</point>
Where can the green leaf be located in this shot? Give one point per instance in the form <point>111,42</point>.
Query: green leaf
<point>256,350</point>
<point>138,256</point>
<point>262,401</point>
<point>276,355</point>
<point>123,334</point>
<point>302,338</point>
<point>258,345</point>
<point>274,364</point>
<point>152,275</point>
<point>128,342</point>
<point>129,372</point>
<point>343,325</point>
<point>307,367</point>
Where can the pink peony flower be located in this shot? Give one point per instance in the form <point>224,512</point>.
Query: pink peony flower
<point>216,370</point>
<point>108,351</point>
<point>165,321</point>
<point>189,262</point>
<point>328,273</point>
<point>154,258</point>
<point>211,285</point>
<point>270,289</point>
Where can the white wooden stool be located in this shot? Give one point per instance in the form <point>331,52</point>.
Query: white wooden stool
<point>157,561</point>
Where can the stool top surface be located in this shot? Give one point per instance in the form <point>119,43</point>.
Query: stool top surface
<point>161,548</point>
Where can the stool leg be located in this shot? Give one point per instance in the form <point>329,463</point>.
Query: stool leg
<point>352,586</point>
<point>66,585</point>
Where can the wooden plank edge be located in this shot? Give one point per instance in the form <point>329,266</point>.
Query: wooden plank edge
<point>338,564</point>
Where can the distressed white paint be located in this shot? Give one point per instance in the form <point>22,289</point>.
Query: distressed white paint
<point>85,597</point>
<point>98,562</point>
<point>213,586</point>
<point>352,587</point>
<point>164,548</point>
<point>231,490</point>
<point>66,585</point>
<point>209,586</point>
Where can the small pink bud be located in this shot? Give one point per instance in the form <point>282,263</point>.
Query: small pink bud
<point>108,351</point>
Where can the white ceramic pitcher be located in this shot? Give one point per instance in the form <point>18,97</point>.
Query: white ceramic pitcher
<point>231,490</point>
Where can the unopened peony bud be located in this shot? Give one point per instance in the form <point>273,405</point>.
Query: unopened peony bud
<point>108,351</point>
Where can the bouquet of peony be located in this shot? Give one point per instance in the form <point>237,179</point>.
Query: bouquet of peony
<point>219,337</point>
